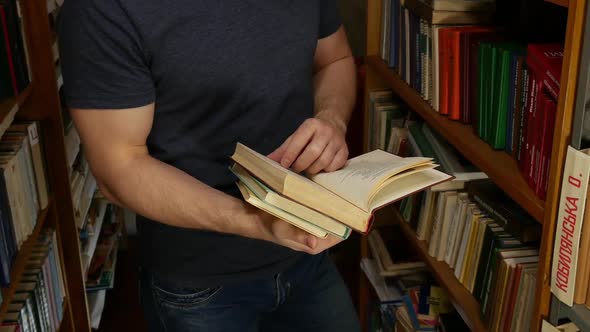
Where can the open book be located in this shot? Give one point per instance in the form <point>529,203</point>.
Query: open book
<point>334,202</point>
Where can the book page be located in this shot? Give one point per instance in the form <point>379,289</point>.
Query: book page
<point>361,175</point>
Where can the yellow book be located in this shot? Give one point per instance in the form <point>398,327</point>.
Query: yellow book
<point>470,248</point>
<point>351,194</point>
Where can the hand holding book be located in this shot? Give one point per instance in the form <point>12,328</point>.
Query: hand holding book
<point>335,202</point>
<point>286,235</point>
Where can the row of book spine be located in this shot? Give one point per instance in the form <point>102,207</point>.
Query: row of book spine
<point>461,229</point>
<point>15,71</point>
<point>469,224</point>
<point>23,190</point>
<point>476,74</point>
<point>37,305</point>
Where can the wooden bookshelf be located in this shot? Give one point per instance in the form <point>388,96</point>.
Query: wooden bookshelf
<point>463,301</point>
<point>40,102</point>
<point>563,3</point>
<point>23,255</point>
<point>498,165</point>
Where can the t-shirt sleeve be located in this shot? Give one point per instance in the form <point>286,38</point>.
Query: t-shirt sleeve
<point>104,65</point>
<point>329,18</point>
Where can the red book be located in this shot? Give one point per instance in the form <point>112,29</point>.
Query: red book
<point>8,49</point>
<point>546,147</point>
<point>527,130</point>
<point>454,111</point>
<point>539,117</point>
<point>443,55</point>
<point>458,51</point>
<point>470,40</point>
<point>510,301</point>
<point>550,58</point>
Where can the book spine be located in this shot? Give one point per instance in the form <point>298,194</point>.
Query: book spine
<point>583,272</point>
<point>522,111</point>
<point>569,225</point>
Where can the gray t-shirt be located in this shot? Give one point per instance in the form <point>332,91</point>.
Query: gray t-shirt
<point>219,72</point>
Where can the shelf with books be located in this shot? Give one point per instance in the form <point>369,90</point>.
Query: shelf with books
<point>22,256</point>
<point>563,3</point>
<point>498,165</point>
<point>462,299</point>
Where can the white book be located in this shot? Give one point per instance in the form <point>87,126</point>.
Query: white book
<point>437,224</point>
<point>569,224</point>
<point>469,211</point>
<point>426,215</point>
<point>465,243</point>
<point>462,202</point>
<point>450,207</point>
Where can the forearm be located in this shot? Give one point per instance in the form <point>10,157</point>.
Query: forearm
<point>164,193</point>
<point>335,91</point>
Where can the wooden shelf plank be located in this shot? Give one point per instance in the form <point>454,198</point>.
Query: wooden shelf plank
<point>9,107</point>
<point>498,165</point>
<point>462,299</point>
<point>21,259</point>
<point>563,3</point>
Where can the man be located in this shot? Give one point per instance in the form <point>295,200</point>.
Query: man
<point>160,92</point>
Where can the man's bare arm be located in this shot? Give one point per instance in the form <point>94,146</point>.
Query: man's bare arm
<point>319,143</point>
<point>114,142</point>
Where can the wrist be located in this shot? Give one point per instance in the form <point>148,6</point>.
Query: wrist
<point>255,223</point>
<point>333,117</point>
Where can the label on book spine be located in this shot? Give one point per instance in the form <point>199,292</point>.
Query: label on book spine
<point>569,224</point>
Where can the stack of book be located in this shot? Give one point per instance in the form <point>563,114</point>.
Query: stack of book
<point>471,225</point>
<point>386,115</point>
<point>37,304</point>
<point>100,258</point>
<point>335,202</point>
<point>23,190</point>
<point>491,245</point>
<point>413,303</point>
<point>475,73</point>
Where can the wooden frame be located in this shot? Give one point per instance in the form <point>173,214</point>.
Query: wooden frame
<point>40,102</point>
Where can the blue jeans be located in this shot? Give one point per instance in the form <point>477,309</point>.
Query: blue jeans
<point>308,296</point>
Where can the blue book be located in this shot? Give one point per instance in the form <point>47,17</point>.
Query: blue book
<point>394,34</point>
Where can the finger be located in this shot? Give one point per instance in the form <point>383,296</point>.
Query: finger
<point>325,159</point>
<point>326,243</point>
<point>293,237</point>
<point>339,160</point>
<point>299,141</point>
<point>277,154</point>
<point>312,152</point>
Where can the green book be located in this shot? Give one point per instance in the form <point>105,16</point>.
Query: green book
<point>501,94</point>
<point>423,144</point>
<point>484,65</point>
<point>492,235</point>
